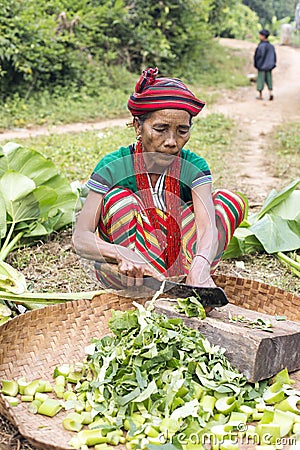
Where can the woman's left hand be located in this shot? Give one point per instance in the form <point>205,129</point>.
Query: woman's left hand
<point>199,274</point>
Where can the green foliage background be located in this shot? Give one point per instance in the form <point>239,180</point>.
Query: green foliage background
<point>267,9</point>
<point>71,43</point>
<point>61,46</point>
<point>85,44</point>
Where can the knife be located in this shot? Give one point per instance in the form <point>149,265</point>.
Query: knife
<point>213,297</point>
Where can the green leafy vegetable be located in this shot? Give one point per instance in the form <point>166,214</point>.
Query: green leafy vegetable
<point>11,280</point>
<point>292,261</point>
<point>259,323</point>
<point>35,200</point>
<point>155,382</point>
<point>191,307</point>
<point>5,313</point>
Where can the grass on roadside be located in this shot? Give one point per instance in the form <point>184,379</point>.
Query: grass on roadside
<point>286,140</point>
<point>223,68</point>
<point>45,108</point>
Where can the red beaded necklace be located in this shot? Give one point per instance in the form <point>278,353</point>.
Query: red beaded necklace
<point>171,241</point>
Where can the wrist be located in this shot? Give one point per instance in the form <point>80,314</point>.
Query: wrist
<point>199,255</point>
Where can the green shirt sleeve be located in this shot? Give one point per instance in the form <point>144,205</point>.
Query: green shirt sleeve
<point>194,170</point>
<point>115,169</point>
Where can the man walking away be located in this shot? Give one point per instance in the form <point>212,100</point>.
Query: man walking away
<point>264,62</point>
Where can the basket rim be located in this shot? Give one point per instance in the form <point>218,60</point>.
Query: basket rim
<point>83,307</point>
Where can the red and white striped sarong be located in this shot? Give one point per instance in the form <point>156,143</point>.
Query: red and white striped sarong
<point>124,221</point>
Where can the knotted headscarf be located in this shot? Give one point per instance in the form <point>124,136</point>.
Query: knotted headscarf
<point>152,93</point>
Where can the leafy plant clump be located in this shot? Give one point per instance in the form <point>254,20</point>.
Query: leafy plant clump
<point>191,307</point>
<point>274,229</point>
<point>35,198</point>
<point>84,39</point>
<point>156,382</point>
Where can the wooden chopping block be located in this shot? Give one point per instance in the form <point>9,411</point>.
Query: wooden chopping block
<point>257,354</point>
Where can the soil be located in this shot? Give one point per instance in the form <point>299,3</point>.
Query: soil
<point>253,167</point>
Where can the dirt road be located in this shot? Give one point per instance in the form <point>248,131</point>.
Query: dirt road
<point>257,119</point>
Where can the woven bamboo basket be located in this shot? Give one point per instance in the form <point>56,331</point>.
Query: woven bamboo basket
<point>33,344</point>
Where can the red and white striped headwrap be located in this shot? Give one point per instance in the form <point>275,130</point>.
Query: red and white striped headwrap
<point>153,93</point>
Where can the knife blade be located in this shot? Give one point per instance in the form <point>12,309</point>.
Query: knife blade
<point>213,297</point>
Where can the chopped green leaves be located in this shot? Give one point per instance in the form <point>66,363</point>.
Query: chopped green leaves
<point>258,324</point>
<point>191,307</point>
<point>155,382</point>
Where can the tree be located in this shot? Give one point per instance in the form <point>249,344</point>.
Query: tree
<point>167,33</point>
<point>218,11</point>
<point>285,8</point>
<point>32,54</point>
<point>240,23</point>
<point>264,9</point>
<point>73,42</point>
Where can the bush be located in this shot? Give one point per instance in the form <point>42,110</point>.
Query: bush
<point>74,42</point>
<point>240,23</point>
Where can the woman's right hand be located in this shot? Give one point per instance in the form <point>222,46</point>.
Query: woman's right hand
<point>88,245</point>
<point>133,268</point>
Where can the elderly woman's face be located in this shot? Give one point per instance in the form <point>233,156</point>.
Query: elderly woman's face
<point>164,134</point>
